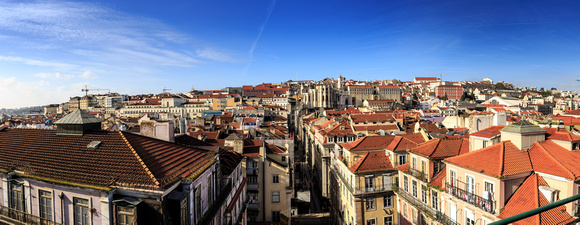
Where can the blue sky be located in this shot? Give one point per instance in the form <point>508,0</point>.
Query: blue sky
<point>50,49</point>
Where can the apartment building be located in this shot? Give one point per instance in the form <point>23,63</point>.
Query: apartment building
<point>80,174</point>
<point>418,192</point>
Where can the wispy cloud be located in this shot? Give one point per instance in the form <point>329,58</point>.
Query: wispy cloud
<point>251,51</point>
<point>214,54</point>
<point>60,76</point>
<point>34,62</point>
<point>98,32</point>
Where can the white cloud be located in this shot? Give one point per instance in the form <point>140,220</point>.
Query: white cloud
<point>97,32</point>
<point>213,54</point>
<point>54,76</point>
<point>34,62</point>
<point>32,93</point>
<point>88,75</point>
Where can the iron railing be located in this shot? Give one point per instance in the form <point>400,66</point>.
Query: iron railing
<point>418,174</point>
<point>415,202</point>
<point>444,219</point>
<point>374,189</point>
<point>13,216</point>
<point>483,203</point>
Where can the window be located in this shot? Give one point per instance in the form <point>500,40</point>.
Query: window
<point>434,200</point>
<point>387,201</point>
<point>184,211</point>
<point>275,196</point>
<point>469,184</point>
<point>372,222</point>
<point>405,210</point>
<point>423,166</point>
<point>414,163</point>
<point>275,179</point>
<point>488,191</point>
<point>283,158</point>
<point>415,188</point>
<point>405,183</point>
<point>17,196</point>
<point>45,205</point>
<point>402,159</point>
<point>469,217</point>
<point>452,177</point>
<point>424,196</point>
<point>371,204</point>
<point>388,220</point>
<point>386,181</point>
<point>81,211</point>
<point>126,216</point>
<point>253,179</point>
<point>275,216</point>
<point>369,183</point>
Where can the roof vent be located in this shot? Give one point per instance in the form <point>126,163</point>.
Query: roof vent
<point>94,144</point>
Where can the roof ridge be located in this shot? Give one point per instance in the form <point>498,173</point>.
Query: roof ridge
<point>436,146</point>
<point>537,194</point>
<point>139,158</point>
<point>502,158</point>
<point>557,161</point>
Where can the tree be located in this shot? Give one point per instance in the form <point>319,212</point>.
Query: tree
<point>444,98</point>
<point>500,86</point>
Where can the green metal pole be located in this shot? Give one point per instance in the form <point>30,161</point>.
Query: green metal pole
<point>535,211</point>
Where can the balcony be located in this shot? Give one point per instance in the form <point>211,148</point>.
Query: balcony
<point>12,216</point>
<point>253,187</point>
<point>418,174</point>
<point>445,220</point>
<point>254,206</point>
<point>473,199</point>
<point>415,202</point>
<point>374,189</point>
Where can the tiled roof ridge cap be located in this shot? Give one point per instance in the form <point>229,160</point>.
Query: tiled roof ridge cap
<point>502,157</point>
<point>557,161</point>
<point>138,158</point>
<point>436,146</point>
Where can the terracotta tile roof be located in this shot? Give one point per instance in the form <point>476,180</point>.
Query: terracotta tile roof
<point>372,161</point>
<point>492,129</point>
<point>369,143</point>
<point>376,117</point>
<point>342,128</point>
<point>439,180</point>
<point>405,142</point>
<point>229,160</point>
<point>375,127</point>
<point>561,134</point>
<point>551,158</point>
<point>249,108</point>
<point>528,197</point>
<point>432,128</point>
<point>501,159</point>
<point>404,167</point>
<point>442,148</point>
<point>122,159</point>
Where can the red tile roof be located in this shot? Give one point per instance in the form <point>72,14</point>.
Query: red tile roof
<point>373,127</point>
<point>439,180</point>
<point>372,161</point>
<point>377,117</point>
<point>249,108</point>
<point>229,160</point>
<point>528,197</point>
<point>342,128</point>
<point>442,148</point>
<point>405,142</point>
<point>501,159</point>
<point>492,129</point>
<point>122,159</point>
<point>561,134</point>
<point>551,158</point>
<point>369,143</point>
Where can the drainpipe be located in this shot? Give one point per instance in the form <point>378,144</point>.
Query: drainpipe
<point>477,128</point>
<point>61,196</point>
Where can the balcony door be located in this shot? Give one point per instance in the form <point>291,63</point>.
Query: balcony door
<point>369,182</point>
<point>386,181</point>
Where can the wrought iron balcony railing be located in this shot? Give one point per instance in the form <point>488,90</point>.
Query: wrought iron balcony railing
<point>483,203</point>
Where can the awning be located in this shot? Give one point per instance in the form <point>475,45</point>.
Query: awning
<point>126,200</point>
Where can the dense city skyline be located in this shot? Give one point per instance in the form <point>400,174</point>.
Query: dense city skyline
<point>53,48</point>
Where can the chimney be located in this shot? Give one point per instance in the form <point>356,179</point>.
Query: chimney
<point>163,130</point>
